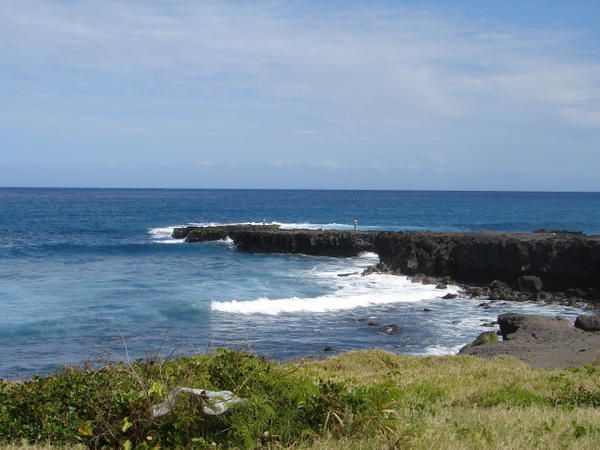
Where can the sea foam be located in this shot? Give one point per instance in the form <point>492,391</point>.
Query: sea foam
<point>352,291</point>
<point>347,292</point>
<point>162,235</point>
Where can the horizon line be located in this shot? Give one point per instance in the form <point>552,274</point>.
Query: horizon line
<point>297,189</point>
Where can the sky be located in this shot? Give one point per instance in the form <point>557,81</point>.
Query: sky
<point>440,95</point>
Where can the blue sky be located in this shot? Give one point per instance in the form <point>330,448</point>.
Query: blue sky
<point>313,94</point>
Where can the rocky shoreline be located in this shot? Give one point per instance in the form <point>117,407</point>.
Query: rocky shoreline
<point>539,266</point>
<point>541,341</point>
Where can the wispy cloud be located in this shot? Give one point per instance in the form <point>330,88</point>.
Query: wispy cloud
<point>295,89</point>
<point>350,66</point>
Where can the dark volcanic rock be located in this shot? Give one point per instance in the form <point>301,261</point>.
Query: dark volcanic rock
<point>449,296</point>
<point>530,283</point>
<point>202,234</point>
<point>309,242</point>
<point>531,325</point>
<point>329,349</point>
<point>369,270</point>
<point>181,233</point>
<point>477,291</point>
<point>373,323</point>
<point>542,342</point>
<point>543,230</point>
<point>377,268</point>
<point>561,261</point>
<point>588,323</point>
<point>500,291</point>
<point>517,266</point>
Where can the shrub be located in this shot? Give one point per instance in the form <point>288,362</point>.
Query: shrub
<point>110,407</point>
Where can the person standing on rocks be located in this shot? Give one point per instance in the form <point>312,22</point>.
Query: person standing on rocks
<point>355,224</point>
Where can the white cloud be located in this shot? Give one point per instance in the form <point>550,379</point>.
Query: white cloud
<point>351,68</point>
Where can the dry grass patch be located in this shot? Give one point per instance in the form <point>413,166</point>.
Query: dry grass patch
<point>358,400</point>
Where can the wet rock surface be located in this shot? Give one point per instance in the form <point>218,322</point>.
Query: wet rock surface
<point>588,323</point>
<point>541,341</point>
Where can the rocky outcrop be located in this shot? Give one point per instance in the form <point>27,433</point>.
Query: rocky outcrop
<point>533,260</point>
<point>309,242</point>
<point>522,266</point>
<point>541,341</point>
<point>202,234</point>
<point>588,323</point>
<point>487,337</point>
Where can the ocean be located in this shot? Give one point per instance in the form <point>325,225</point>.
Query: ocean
<point>93,274</point>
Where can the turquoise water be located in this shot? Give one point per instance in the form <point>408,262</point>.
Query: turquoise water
<point>92,273</point>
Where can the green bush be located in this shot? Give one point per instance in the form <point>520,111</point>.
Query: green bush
<point>110,407</point>
<point>366,399</point>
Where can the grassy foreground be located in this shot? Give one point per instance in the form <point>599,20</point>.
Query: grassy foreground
<point>358,400</point>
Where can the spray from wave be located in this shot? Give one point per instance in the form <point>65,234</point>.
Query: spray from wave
<point>162,235</point>
<point>349,291</point>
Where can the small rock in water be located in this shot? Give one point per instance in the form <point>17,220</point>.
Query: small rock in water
<point>442,286</point>
<point>449,296</point>
<point>393,329</point>
<point>369,270</point>
<point>347,274</point>
<point>329,349</point>
<point>417,278</point>
<point>426,310</point>
<point>373,323</point>
<point>477,292</point>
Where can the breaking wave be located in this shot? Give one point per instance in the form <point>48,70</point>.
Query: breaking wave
<point>353,291</point>
<point>162,235</point>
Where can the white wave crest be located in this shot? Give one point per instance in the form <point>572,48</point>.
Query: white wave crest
<point>369,256</point>
<point>226,241</point>
<point>353,292</point>
<point>161,231</point>
<point>441,350</point>
<point>289,225</point>
<point>162,235</point>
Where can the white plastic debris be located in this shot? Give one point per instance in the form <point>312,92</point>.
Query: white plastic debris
<point>213,403</point>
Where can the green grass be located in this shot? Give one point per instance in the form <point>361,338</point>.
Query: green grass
<point>367,399</point>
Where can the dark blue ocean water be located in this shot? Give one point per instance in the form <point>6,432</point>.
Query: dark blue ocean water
<point>89,273</point>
